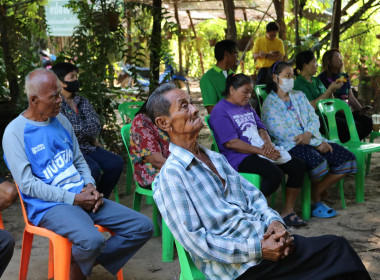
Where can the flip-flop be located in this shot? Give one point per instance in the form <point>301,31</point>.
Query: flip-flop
<point>296,222</point>
<point>321,210</point>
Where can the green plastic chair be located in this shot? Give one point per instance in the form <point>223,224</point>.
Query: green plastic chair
<point>261,94</point>
<point>129,110</point>
<point>306,190</point>
<point>188,269</point>
<point>329,108</point>
<point>372,137</point>
<point>167,238</point>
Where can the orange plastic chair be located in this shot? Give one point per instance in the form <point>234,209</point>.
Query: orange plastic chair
<point>59,249</point>
<point>1,222</point>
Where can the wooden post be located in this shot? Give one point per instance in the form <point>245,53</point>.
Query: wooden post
<point>155,46</point>
<point>229,10</point>
<point>179,35</point>
<point>196,42</point>
<point>296,10</point>
<point>335,30</point>
<point>245,14</point>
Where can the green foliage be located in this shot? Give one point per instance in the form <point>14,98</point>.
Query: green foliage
<point>212,29</point>
<point>94,47</point>
<point>25,25</point>
<point>246,28</point>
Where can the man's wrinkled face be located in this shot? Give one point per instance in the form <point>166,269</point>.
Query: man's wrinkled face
<point>184,118</point>
<point>48,102</point>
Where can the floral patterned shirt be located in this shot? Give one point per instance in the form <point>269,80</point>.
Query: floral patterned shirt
<point>283,123</point>
<point>146,139</point>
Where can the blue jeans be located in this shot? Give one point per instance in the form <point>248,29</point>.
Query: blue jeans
<point>106,168</point>
<point>132,230</point>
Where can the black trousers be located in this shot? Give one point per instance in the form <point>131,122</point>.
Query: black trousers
<point>7,245</point>
<point>363,125</point>
<point>326,257</point>
<point>272,174</point>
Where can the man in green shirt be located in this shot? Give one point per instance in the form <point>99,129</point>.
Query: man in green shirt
<point>213,82</point>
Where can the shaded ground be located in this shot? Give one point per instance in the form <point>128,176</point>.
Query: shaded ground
<point>359,223</point>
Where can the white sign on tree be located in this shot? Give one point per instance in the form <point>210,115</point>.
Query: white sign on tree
<point>61,21</point>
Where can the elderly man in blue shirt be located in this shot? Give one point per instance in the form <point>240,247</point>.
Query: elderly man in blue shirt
<point>223,220</point>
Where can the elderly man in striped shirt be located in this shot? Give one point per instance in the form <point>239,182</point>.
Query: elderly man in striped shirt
<point>223,220</point>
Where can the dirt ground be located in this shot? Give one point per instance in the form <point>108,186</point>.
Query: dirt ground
<point>359,223</point>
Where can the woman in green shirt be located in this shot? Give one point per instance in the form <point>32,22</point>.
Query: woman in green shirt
<point>313,88</point>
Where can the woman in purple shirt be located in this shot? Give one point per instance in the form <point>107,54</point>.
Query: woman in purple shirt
<point>242,138</point>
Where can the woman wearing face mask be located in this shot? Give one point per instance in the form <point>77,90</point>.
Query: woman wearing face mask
<point>244,141</point>
<point>106,167</point>
<point>293,124</point>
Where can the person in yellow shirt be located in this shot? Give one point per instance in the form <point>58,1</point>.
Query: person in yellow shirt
<point>268,50</point>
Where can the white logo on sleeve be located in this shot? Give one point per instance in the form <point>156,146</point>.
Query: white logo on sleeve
<point>38,148</point>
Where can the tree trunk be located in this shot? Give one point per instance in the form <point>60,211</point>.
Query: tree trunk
<point>352,20</point>
<point>229,10</point>
<point>10,67</point>
<point>296,10</point>
<point>179,35</point>
<point>279,6</point>
<point>335,30</point>
<point>155,45</point>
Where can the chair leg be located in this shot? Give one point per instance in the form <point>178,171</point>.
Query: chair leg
<point>62,258</point>
<point>27,242</point>
<point>120,275</point>
<point>306,198</point>
<point>137,201</point>
<point>116,192</point>
<point>340,185</point>
<point>157,230</point>
<point>368,164</point>
<point>167,244</point>
<point>51,260</point>
<point>359,178</point>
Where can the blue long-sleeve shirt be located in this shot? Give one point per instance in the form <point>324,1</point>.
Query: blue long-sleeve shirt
<point>46,163</point>
<point>220,226</point>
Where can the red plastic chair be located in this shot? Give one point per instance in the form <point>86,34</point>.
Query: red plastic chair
<point>59,249</point>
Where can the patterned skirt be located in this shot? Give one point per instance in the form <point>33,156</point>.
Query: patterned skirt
<point>318,164</point>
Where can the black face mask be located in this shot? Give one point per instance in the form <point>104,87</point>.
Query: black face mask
<point>72,86</point>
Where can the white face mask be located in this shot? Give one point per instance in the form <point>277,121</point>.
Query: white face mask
<point>287,84</point>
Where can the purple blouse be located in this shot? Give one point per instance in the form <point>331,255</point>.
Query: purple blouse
<point>229,121</point>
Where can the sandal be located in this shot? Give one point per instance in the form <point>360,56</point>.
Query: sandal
<point>295,222</point>
<point>321,210</point>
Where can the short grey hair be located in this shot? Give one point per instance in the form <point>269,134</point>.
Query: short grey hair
<point>34,81</point>
<point>158,105</point>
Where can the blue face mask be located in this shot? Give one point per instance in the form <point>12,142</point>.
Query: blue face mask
<point>72,86</point>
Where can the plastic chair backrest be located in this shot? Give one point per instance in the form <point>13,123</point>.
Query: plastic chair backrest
<point>125,134</point>
<point>129,109</point>
<point>329,108</point>
<point>261,94</point>
<point>214,146</point>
